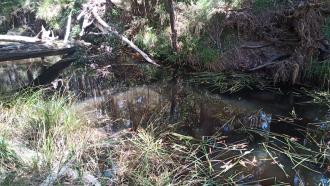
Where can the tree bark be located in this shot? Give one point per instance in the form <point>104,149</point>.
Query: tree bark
<point>68,28</point>
<point>52,72</point>
<point>20,39</point>
<point>10,56</point>
<point>174,36</point>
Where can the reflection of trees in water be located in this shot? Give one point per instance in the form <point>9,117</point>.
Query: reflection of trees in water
<point>14,76</point>
<point>136,104</point>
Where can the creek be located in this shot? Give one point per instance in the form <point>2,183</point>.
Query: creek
<point>258,121</point>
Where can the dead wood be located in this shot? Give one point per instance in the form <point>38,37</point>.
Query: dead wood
<point>26,54</point>
<point>68,28</point>
<point>256,46</point>
<point>109,29</point>
<point>52,72</point>
<point>20,39</point>
<point>275,60</point>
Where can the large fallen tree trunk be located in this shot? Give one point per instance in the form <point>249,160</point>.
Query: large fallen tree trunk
<point>10,56</point>
<point>20,39</point>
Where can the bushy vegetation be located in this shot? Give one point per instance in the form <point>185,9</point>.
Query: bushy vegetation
<point>225,46</point>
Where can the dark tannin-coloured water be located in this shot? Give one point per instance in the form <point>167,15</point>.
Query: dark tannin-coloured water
<point>256,122</point>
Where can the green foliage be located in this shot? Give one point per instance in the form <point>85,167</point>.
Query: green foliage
<point>42,118</point>
<point>8,6</point>
<point>207,55</point>
<point>147,39</point>
<point>326,28</point>
<point>198,49</point>
<point>157,44</point>
<point>55,12</point>
<point>318,71</point>
<point>264,5</point>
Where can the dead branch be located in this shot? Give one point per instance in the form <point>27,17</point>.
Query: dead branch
<point>275,60</point>
<point>104,27</point>
<point>10,56</point>
<point>20,39</point>
<point>52,72</point>
<point>256,46</point>
<point>263,66</point>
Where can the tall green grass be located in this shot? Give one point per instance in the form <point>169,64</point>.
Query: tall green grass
<point>326,28</point>
<point>47,124</point>
<point>318,72</point>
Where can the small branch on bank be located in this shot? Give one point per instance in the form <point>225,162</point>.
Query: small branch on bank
<point>256,46</point>
<point>275,60</point>
<point>263,66</point>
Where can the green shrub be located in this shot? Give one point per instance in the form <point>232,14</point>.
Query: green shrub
<point>318,71</point>
<point>326,28</point>
<point>264,5</point>
<point>155,43</point>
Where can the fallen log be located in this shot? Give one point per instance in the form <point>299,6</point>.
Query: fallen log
<point>52,72</point>
<point>20,39</point>
<point>10,56</point>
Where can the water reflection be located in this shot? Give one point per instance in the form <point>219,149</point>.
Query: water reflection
<point>199,114</point>
<point>16,75</point>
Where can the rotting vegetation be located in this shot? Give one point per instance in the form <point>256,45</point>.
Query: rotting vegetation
<point>225,46</point>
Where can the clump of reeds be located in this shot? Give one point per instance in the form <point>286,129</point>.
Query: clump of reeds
<point>158,155</point>
<point>226,82</point>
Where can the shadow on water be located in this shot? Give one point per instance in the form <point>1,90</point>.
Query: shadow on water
<point>240,119</point>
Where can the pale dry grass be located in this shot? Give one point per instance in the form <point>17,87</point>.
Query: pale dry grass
<point>47,130</point>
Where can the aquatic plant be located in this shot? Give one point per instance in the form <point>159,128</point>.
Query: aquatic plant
<point>321,97</point>
<point>226,82</point>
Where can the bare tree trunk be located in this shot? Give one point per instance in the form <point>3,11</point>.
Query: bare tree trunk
<point>171,10</point>
<point>21,39</point>
<point>68,28</point>
<point>10,56</point>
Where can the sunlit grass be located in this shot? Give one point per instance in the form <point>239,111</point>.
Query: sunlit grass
<point>47,126</point>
